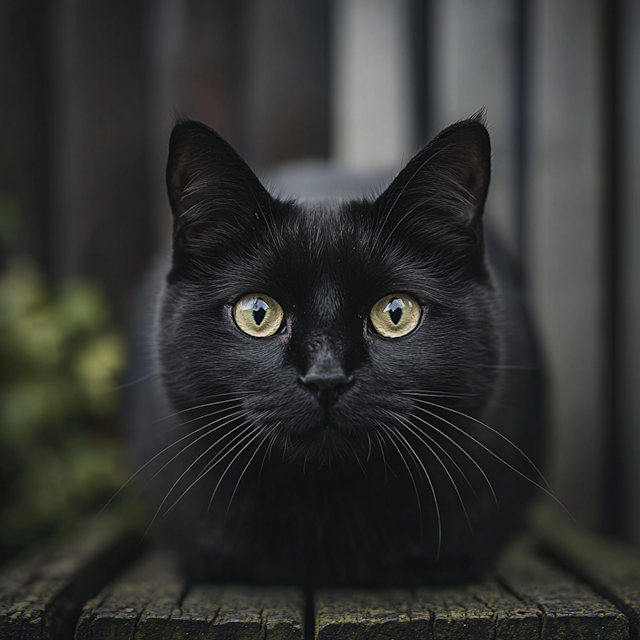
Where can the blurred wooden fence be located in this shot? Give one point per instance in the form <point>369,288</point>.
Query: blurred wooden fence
<point>90,88</point>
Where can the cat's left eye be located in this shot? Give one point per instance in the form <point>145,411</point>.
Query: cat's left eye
<point>395,315</point>
<point>258,314</point>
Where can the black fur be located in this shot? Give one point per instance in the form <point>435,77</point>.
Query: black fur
<point>309,472</point>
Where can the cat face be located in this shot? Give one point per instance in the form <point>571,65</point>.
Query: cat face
<point>322,321</point>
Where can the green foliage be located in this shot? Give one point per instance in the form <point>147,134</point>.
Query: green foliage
<point>58,391</point>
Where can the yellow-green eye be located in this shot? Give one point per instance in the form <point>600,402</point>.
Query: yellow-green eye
<point>258,315</point>
<point>395,315</point>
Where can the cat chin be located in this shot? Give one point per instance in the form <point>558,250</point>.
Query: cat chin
<point>326,444</point>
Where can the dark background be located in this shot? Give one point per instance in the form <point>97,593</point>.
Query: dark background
<point>90,87</point>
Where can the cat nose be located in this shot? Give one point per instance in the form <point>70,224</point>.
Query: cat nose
<point>326,384</point>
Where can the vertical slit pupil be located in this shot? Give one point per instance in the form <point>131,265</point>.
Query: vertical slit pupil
<point>259,311</point>
<point>394,309</point>
<point>395,315</point>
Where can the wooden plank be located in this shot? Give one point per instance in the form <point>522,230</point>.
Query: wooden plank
<point>195,69</point>
<point>101,211</point>
<point>478,611</point>
<point>529,598</point>
<point>532,599</point>
<point>246,612</point>
<point>41,594</point>
<point>151,600</point>
<point>373,614</point>
<point>455,613</point>
<point>513,618</point>
<point>285,110</point>
<point>143,600</point>
<point>25,123</point>
<point>569,608</point>
<point>612,568</point>
<point>200,607</point>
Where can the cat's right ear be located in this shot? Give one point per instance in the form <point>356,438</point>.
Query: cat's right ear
<point>440,194</point>
<point>212,192</point>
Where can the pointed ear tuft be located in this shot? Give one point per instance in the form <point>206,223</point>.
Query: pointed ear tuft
<point>211,189</point>
<point>444,185</point>
<point>465,165</point>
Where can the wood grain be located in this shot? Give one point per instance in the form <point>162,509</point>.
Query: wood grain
<point>569,608</point>
<point>612,568</point>
<point>42,593</point>
<point>152,601</point>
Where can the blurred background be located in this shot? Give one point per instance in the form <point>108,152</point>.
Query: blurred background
<point>89,90</point>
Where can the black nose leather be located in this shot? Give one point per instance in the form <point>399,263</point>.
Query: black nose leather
<point>326,384</point>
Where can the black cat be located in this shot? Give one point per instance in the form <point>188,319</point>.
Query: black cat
<point>336,392</point>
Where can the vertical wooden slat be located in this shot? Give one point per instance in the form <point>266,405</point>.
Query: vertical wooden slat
<point>25,122</point>
<point>421,68</point>
<point>372,101</point>
<point>100,144</point>
<point>630,247</point>
<point>255,71</point>
<point>165,41</point>
<point>196,66</point>
<point>474,65</point>
<point>566,252</point>
<point>286,92</point>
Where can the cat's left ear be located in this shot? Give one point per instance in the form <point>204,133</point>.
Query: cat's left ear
<point>444,187</point>
<point>212,192</point>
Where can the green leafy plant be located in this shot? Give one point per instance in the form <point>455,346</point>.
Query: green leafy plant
<point>59,360</point>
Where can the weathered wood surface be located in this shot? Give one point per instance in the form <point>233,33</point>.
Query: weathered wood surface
<point>613,569</point>
<point>529,598</point>
<point>42,593</point>
<point>555,582</point>
<point>568,608</point>
<point>151,601</point>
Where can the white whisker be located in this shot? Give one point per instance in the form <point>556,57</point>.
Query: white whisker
<point>466,453</point>
<point>182,475</point>
<point>157,455</point>
<point>131,383</point>
<point>464,415</point>
<point>266,437</point>
<point>257,432</point>
<point>199,406</point>
<point>408,425</point>
<point>437,394</point>
<point>231,443</point>
<point>219,458</point>
<point>203,416</point>
<point>433,490</point>
<point>548,491</point>
<point>267,452</point>
<point>389,431</point>
<point>231,417</point>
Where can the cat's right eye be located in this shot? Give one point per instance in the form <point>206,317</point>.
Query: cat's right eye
<point>395,315</point>
<point>258,314</point>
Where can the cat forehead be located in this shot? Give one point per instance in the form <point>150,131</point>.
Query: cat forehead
<point>335,243</point>
<point>321,213</point>
<point>324,224</point>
